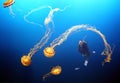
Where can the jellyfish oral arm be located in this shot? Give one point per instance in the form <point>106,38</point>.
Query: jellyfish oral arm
<point>47,21</point>
<point>46,75</point>
<point>107,51</point>
<point>11,11</point>
<point>65,35</point>
<point>50,16</point>
<point>32,11</point>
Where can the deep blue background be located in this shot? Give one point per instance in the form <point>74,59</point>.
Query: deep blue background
<point>17,37</point>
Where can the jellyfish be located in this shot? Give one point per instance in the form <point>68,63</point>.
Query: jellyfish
<point>54,71</point>
<point>84,50</point>
<point>49,52</point>
<point>77,68</point>
<point>63,37</point>
<point>8,3</point>
<point>45,38</point>
<point>26,60</point>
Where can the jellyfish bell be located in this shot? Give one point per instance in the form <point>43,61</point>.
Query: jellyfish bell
<point>108,59</point>
<point>8,3</point>
<point>26,60</point>
<point>56,70</point>
<point>49,52</point>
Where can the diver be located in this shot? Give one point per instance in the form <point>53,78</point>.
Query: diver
<point>84,50</point>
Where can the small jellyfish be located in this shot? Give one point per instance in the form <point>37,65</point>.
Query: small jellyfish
<point>84,50</point>
<point>49,52</point>
<point>77,68</point>
<point>8,3</point>
<point>26,60</point>
<point>54,71</point>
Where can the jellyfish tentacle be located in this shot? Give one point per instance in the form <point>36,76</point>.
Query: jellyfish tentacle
<point>45,76</point>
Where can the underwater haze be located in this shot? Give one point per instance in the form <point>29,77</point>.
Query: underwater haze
<point>18,37</point>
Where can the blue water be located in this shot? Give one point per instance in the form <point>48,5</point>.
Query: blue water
<point>17,37</point>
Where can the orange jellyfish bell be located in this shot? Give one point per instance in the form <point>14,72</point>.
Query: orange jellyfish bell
<point>108,59</point>
<point>56,70</point>
<point>26,60</point>
<point>49,52</point>
<point>8,3</point>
